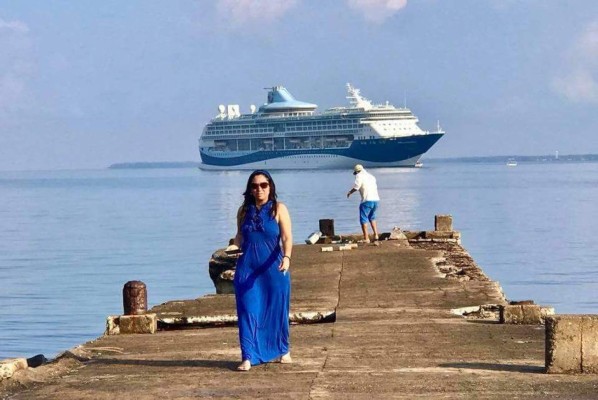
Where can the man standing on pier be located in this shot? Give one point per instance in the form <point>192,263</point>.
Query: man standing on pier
<point>368,189</point>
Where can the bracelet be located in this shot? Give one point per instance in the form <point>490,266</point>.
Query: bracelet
<point>287,257</point>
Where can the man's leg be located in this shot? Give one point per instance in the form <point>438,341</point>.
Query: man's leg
<point>375,229</point>
<point>372,219</point>
<point>363,219</point>
<point>364,229</point>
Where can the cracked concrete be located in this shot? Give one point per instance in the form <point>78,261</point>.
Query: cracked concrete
<point>394,337</point>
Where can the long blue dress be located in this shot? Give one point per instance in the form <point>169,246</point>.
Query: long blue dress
<point>262,291</point>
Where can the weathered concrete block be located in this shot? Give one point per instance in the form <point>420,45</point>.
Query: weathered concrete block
<point>439,235</point>
<point>511,314</point>
<point>10,366</point>
<point>589,344</point>
<point>563,344</point>
<point>443,223</point>
<point>112,325</point>
<point>532,315</point>
<point>524,314</point>
<point>546,312</point>
<point>130,324</point>
<point>146,323</point>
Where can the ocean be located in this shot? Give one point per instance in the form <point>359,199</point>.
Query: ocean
<point>70,240</point>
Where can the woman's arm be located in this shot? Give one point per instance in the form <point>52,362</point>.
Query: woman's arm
<point>239,237</point>
<point>286,236</point>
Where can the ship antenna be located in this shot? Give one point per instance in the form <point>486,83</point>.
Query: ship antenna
<point>405,99</point>
<point>356,99</point>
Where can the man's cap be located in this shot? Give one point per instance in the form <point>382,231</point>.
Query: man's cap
<point>357,169</point>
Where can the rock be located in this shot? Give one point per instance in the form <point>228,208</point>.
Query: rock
<point>36,361</point>
<point>396,234</point>
<point>221,268</point>
<point>10,366</point>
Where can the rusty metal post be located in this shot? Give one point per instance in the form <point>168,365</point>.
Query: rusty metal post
<point>134,298</point>
<point>327,227</point>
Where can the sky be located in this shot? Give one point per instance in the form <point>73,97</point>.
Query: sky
<point>84,84</point>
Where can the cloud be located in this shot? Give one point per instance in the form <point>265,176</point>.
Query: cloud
<point>249,12</point>
<point>377,10</point>
<point>15,66</point>
<point>579,82</point>
<point>13,26</point>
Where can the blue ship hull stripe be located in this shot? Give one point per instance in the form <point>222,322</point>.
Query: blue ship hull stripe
<point>374,150</point>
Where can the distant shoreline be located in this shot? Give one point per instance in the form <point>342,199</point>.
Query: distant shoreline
<point>155,164</point>
<point>565,158</point>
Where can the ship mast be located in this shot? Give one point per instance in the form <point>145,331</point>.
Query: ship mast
<point>356,99</point>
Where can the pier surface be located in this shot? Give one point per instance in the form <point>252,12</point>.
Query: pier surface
<point>393,336</point>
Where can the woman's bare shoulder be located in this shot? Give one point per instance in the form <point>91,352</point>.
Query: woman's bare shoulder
<point>281,207</point>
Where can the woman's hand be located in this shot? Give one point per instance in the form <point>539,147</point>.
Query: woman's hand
<point>285,264</point>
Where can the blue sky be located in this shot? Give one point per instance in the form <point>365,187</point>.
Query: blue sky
<point>84,84</point>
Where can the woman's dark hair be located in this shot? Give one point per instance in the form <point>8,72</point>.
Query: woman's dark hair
<point>248,194</point>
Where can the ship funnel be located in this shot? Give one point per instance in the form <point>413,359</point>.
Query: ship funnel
<point>233,111</point>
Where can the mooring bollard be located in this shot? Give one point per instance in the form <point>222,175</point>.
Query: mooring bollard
<point>134,298</point>
<point>327,227</point>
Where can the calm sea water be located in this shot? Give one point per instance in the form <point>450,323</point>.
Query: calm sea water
<point>69,240</point>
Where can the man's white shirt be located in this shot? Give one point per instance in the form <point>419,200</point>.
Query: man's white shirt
<point>366,184</point>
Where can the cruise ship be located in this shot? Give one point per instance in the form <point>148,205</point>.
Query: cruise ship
<point>286,133</point>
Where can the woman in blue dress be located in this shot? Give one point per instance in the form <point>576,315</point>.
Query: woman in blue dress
<point>262,282</point>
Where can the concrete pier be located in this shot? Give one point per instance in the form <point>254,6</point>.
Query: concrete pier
<point>388,329</point>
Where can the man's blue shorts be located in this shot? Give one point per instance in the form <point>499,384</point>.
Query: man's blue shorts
<point>367,211</point>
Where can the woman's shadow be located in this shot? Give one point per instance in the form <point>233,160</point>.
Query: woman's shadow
<point>212,364</point>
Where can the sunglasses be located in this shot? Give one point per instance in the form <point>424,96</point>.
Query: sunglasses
<point>263,185</point>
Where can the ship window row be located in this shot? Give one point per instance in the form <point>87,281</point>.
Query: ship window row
<point>292,143</point>
<point>288,129</point>
<point>306,126</point>
<point>254,132</point>
<point>322,124</point>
